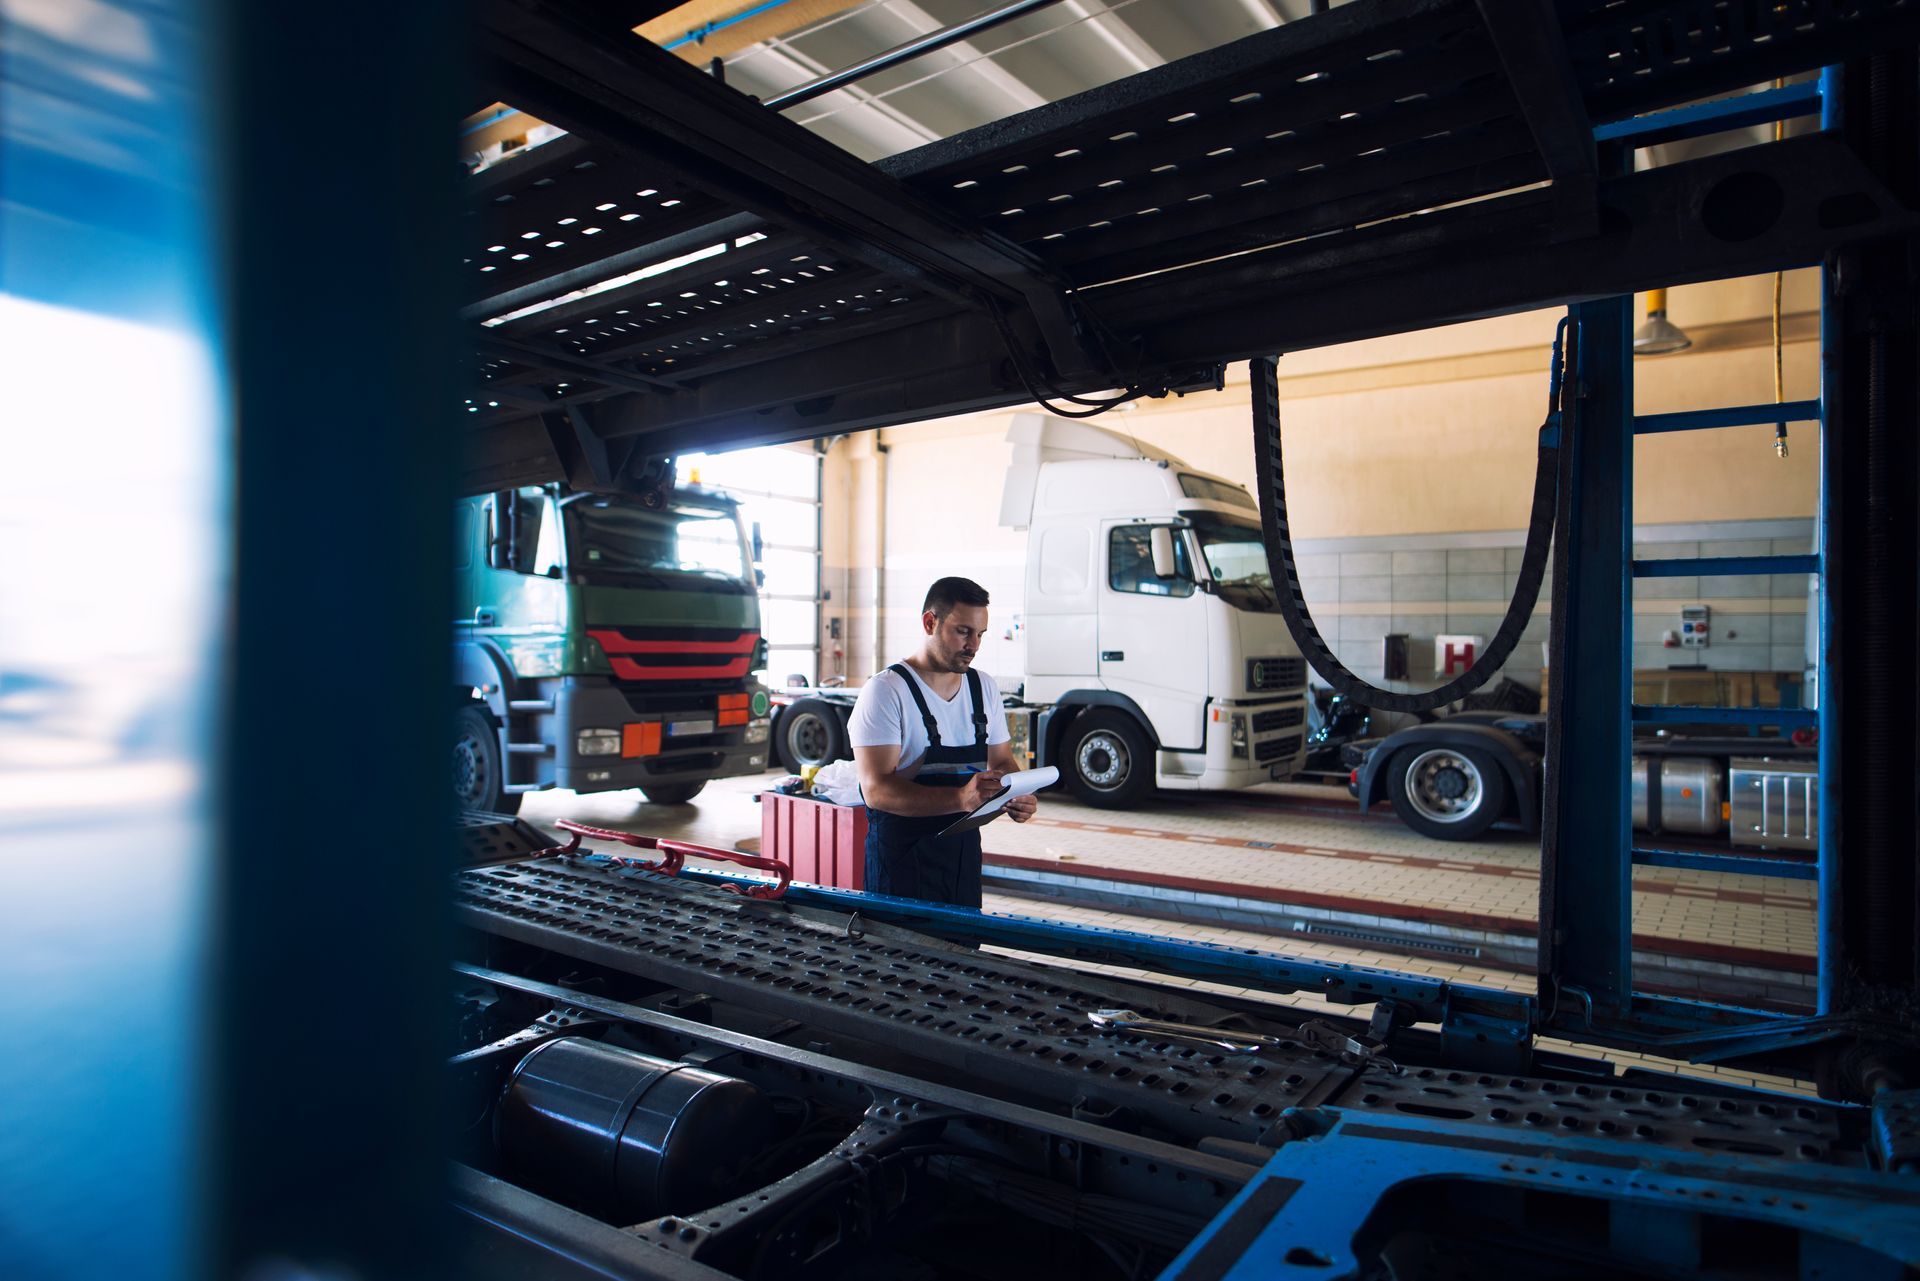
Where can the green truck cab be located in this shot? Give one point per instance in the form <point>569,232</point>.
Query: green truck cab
<point>603,642</point>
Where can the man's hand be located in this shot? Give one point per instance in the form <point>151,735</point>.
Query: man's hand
<point>1022,808</point>
<point>980,789</point>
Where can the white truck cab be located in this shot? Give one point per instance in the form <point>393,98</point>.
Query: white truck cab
<point>1153,636</point>
<point>1155,655</point>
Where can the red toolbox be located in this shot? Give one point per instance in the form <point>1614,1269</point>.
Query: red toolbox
<point>824,843</point>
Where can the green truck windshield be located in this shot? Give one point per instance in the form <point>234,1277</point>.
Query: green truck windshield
<point>616,537</point>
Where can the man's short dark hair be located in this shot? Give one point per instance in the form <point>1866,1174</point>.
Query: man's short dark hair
<point>948,592</point>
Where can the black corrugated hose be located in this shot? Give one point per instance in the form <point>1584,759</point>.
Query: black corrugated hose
<point>1271,478</point>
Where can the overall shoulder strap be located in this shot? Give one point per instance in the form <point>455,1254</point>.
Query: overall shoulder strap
<point>979,708</point>
<point>919,701</point>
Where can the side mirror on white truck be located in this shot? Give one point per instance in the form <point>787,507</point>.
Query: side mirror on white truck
<point>1162,542</point>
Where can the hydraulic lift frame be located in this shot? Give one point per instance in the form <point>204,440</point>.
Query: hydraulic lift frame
<point>939,282</point>
<point>1453,160</point>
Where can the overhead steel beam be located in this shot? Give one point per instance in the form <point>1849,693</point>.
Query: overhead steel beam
<point>1764,208</point>
<point>736,261</point>
<point>1533,52</point>
<point>1779,204</point>
<point>1676,224</point>
<point>954,363</point>
<point>563,362</point>
<point>1632,58</point>
<point>700,235</point>
<point>640,102</point>
<point>1252,60</point>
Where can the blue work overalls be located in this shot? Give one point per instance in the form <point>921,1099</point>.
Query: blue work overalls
<point>906,856</point>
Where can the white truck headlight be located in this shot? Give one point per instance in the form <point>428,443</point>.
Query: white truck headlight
<point>1239,736</point>
<point>757,731</point>
<point>597,742</point>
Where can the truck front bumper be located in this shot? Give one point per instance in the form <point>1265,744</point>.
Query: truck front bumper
<point>1270,746</point>
<point>687,746</point>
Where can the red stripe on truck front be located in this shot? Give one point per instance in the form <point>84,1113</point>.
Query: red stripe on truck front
<point>614,643</point>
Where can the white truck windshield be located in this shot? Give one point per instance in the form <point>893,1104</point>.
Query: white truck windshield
<point>1236,557</point>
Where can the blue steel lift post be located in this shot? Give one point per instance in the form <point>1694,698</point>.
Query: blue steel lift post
<point>1586,988</point>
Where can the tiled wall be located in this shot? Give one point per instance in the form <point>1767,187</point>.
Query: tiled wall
<point>1362,589</point>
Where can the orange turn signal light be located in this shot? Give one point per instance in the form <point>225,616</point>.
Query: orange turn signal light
<point>640,739</point>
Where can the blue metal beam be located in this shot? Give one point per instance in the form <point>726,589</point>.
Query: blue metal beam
<point>1787,411</point>
<point>1671,1026</point>
<point>1736,864</point>
<point>1695,121</point>
<point>1707,1032</point>
<point>699,34</point>
<point>1789,718</point>
<point>1829,945</point>
<point>1426,1000</point>
<point>1687,567</point>
<point>1318,1205</point>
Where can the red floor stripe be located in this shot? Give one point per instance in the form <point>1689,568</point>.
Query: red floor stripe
<point>1651,885</point>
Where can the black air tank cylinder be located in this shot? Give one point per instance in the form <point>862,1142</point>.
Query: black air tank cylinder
<point>626,1136</point>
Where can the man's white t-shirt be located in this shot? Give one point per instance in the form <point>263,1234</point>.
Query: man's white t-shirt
<point>885,714</point>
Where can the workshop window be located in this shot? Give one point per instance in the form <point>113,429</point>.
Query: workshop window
<point>779,492</point>
<point>1130,563</point>
<point>546,537</point>
<point>1218,491</point>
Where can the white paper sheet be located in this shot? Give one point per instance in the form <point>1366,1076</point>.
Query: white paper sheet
<point>1019,783</point>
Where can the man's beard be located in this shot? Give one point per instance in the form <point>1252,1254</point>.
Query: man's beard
<point>956,661</point>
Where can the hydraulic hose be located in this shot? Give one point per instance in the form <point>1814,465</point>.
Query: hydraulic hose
<point>1271,478</point>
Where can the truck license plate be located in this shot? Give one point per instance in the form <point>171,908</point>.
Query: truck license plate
<point>679,729</point>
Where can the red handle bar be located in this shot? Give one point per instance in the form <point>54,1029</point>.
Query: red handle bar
<point>674,855</point>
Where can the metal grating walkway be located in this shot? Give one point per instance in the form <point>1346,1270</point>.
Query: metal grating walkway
<point>1021,1026</point>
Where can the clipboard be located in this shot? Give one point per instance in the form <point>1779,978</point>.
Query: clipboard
<point>1019,783</point>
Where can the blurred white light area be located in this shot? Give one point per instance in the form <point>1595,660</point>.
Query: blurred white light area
<point>109,568</point>
<point>769,470</point>
<point>112,576</point>
<point>779,489</point>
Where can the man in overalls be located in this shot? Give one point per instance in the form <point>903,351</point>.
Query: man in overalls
<point>930,737</point>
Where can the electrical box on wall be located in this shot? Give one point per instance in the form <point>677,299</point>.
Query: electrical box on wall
<point>1396,665</point>
<point>1694,626</point>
